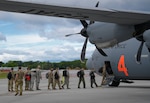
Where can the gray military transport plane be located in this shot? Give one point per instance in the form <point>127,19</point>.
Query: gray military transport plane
<point>121,38</point>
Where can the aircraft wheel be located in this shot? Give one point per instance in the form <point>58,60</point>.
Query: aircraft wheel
<point>115,82</point>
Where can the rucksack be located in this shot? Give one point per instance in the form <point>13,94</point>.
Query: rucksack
<point>81,73</point>
<point>28,77</point>
<point>65,73</point>
<point>47,75</point>
<point>9,75</point>
<point>78,74</point>
<point>101,70</point>
<point>56,76</point>
<point>92,74</point>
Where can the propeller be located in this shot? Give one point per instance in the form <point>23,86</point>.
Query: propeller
<point>101,51</point>
<point>83,32</point>
<point>84,50</point>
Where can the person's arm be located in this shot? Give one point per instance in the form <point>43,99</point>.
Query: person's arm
<point>16,77</point>
<point>104,75</point>
<point>40,75</point>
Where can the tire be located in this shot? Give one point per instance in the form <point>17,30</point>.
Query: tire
<point>115,82</point>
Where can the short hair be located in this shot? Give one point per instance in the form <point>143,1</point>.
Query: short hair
<point>12,68</point>
<point>19,68</point>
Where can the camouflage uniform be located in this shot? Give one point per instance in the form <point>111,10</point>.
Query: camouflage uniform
<point>92,78</point>
<point>33,77</point>
<point>27,79</point>
<point>66,78</point>
<point>19,81</point>
<point>56,80</point>
<point>50,79</point>
<point>104,75</point>
<point>81,78</point>
<point>38,77</point>
<point>10,81</point>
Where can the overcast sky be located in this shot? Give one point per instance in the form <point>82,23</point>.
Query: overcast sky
<point>40,38</point>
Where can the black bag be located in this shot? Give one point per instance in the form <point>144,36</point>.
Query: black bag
<point>9,75</point>
<point>56,76</point>
<point>47,75</point>
<point>92,74</point>
<point>81,73</point>
<point>78,74</point>
<point>101,70</point>
<point>65,73</point>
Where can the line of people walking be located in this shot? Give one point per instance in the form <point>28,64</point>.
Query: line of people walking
<point>32,77</point>
<point>54,78</point>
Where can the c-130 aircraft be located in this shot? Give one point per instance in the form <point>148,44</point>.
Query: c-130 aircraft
<point>121,38</point>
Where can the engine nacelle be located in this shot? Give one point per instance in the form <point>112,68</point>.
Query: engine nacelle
<point>146,37</point>
<point>115,33</point>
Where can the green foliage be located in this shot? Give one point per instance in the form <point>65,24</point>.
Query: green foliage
<point>3,75</point>
<point>44,65</point>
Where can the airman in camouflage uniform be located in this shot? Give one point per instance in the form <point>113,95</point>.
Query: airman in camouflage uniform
<point>27,79</point>
<point>56,79</point>
<point>19,81</point>
<point>50,78</point>
<point>11,80</point>
<point>38,77</point>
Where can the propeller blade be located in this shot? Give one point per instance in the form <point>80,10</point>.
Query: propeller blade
<point>101,51</point>
<point>84,23</point>
<point>84,50</point>
<point>71,34</point>
<point>97,4</point>
<point>138,57</point>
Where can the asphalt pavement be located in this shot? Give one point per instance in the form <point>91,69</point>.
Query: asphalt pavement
<point>138,92</point>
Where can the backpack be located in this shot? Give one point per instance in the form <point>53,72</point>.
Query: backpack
<point>9,75</point>
<point>81,73</point>
<point>47,75</point>
<point>92,75</point>
<point>28,77</point>
<point>101,70</point>
<point>56,76</point>
<point>78,74</point>
<point>65,73</point>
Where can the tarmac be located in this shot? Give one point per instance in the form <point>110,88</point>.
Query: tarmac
<point>138,92</point>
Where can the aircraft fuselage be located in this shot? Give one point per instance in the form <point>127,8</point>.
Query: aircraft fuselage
<point>123,62</point>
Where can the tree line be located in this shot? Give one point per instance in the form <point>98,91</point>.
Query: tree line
<point>44,65</point>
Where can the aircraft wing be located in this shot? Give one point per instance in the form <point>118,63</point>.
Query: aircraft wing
<point>94,14</point>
